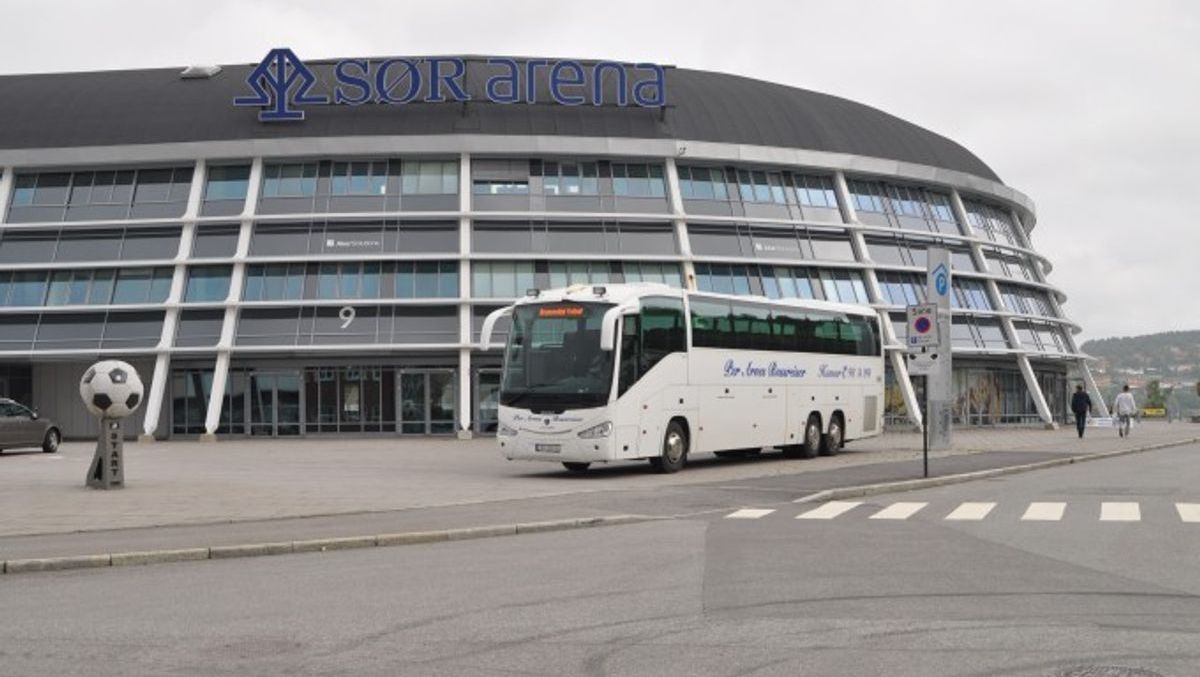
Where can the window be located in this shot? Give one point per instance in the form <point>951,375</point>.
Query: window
<point>207,284</point>
<point>971,294</point>
<point>845,286</point>
<point>939,206</point>
<point>502,279</point>
<point>644,271</point>
<point>229,182</point>
<point>638,180</point>
<point>901,289</point>
<point>290,180</point>
<point>80,287</point>
<point>104,194</point>
<point>646,338</point>
<point>789,283</point>
<point>991,222</point>
<point>359,178</point>
<point>23,288</point>
<point>702,183</point>
<point>215,241</point>
<point>749,326</point>
<point>348,280</point>
<point>961,259</point>
<point>815,191</point>
<point>429,177</point>
<point>142,285</point>
<point>426,279</point>
<point>500,187</point>
<point>906,201</point>
<point>760,186</point>
<point>867,196</point>
<point>48,189</point>
<point>570,178</point>
<point>723,278</point>
<point>565,273</point>
<point>274,282</point>
<point>162,185</point>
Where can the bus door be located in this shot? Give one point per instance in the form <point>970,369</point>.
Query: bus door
<point>652,369</point>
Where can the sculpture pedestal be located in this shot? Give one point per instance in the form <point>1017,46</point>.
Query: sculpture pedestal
<point>108,465</point>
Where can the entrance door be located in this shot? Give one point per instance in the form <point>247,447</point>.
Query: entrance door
<point>274,404</point>
<point>428,402</point>
<point>487,400</point>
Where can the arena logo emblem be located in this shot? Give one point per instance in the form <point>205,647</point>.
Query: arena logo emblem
<point>281,83</point>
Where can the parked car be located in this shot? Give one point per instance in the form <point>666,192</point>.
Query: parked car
<point>21,426</point>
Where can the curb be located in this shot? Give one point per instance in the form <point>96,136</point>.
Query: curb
<point>931,482</point>
<point>20,566</point>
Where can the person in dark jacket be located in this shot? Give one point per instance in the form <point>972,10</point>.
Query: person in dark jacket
<point>1081,405</point>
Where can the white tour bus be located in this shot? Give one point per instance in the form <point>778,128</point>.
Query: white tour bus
<point>632,371</point>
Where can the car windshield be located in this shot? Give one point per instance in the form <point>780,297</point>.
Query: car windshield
<point>553,360</point>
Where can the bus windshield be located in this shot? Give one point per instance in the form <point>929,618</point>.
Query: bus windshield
<point>553,360</point>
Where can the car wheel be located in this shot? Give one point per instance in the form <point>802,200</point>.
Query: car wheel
<point>576,467</point>
<point>832,441</point>
<point>674,451</point>
<point>51,440</point>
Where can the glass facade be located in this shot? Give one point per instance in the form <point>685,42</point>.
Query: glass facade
<point>360,278</point>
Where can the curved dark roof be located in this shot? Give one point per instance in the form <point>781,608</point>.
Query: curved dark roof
<point>157,106</point>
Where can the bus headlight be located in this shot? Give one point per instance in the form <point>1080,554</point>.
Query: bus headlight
<point>505,431</point>
<point>602,430</point>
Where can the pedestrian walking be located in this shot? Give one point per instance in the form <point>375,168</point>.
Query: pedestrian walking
<point>1081,405</point>
<point>1124,407</point>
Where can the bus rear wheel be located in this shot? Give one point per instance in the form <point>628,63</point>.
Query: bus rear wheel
<point>674,451</point>
<point>576,467</point>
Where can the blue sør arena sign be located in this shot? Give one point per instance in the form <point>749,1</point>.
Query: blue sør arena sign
<point>282,83</point>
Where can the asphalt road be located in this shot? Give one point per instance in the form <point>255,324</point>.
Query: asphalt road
<point>917,595</point>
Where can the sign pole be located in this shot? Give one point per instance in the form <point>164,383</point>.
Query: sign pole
<point>925,428</point>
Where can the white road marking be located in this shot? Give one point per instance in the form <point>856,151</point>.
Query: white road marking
<point>1044,512</point>
<point>1120,512</point>
<point>829,510</point>
<point>749,513</point>
<point>898,511</point>
<point>1188,512</point>
<point>971,511</point>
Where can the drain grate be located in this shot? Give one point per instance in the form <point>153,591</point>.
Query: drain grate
<point>1107,671</point>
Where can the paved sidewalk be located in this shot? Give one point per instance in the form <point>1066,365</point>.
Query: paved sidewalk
<point>187,494</point>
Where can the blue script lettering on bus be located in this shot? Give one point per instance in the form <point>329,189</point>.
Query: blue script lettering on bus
<point>771,370</point>
<point>843,371</point>
<point>282,82</point>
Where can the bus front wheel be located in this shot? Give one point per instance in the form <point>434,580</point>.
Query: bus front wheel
<point>674,451</point>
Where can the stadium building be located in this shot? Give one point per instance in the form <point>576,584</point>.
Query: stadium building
<point>310,248</point>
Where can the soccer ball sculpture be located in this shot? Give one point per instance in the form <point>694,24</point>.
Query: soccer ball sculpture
<point>111,389</point>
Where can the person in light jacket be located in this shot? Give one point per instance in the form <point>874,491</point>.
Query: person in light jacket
<point>1124,407</point>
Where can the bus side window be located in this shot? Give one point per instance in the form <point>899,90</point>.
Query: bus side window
<point>648,337</point>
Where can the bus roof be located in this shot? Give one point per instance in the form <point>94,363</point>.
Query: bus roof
<point>619,293</point>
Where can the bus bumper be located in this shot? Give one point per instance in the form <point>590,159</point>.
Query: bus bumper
<point>558,448</point>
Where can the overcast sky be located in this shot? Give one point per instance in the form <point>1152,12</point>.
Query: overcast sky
<point>1090,108</point>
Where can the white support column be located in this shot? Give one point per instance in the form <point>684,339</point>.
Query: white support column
<point>1006,323</point>
<point>216,398</point>
<point>896,353</point>
<point>1089,382</point>
<point>465,409</point>
<point>679,221</point>
<point>7,181</point>
<point>162,361</point>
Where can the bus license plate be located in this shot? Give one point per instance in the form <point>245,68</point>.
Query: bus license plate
<point>548,448</point>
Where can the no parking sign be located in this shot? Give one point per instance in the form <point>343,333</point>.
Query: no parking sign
<point>922,325</point>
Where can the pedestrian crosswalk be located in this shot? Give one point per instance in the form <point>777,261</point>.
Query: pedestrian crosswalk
<point>973,511</point>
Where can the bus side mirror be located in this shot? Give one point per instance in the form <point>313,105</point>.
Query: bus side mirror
<point>489,324</point>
